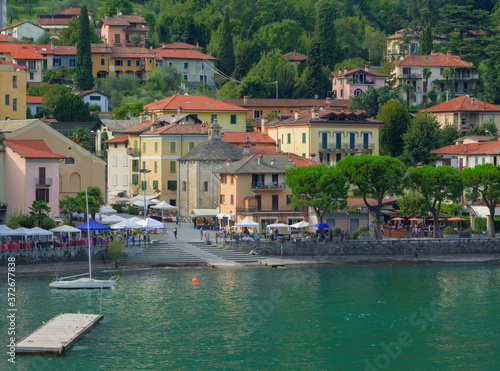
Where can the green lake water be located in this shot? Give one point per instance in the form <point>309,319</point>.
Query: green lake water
<point>328,318</point>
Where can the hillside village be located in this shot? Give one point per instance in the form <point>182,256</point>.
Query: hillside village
<point>221,128</point>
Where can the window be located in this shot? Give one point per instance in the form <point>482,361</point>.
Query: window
<point>173,146</point>
<point>202,65</point>
<point>115,161</point>
<point>135,165</point>
<point>257,114</point>
<point>14,81</point>
<point>103,62</point>
<point>191,145</point>
<point>117,38</point>
<point>14,104</point>
<point>57,62</point>
<point>222,199</point>
<point>143,147</point>
<point>289,138</point>
<point>172,166</point>
<point>288,199</point>
<point>119,62</point>
<point>32,65</point>
<point>115,180</point>
<point>156,146</point>
<point>32,76</point>
<point>170,64</point>
<point>125,180</point>
<point>303,155</point>
<point>352,139</point>
<point>303,137</point>
<point>144,185</point>
<point>95,97</point>
<point>143,164</point>
<point>223,179</point>
<point>184,186</point>
<point>413,48</point>
<point>137,64</point>
<point>7,99</point>
<point>201,78</point>
<point>155,184</point>
<point>341,92</point>
<point>172,185</point>
<point>233,119</point>
<point>365,140</point>
<point>72,62</point>
<point>42,194</point>
<point>125,161</point>
<point>69,161</point>
<point>205,186</point>
<point>186,65</point>
<point>232,179</point>
<point>185,77</point>
<point>338,157</point>
<point>129,62</point>
<point>358,92</point>
<point>155,166</point>
<point>213,117</point>
<point>135,179</point>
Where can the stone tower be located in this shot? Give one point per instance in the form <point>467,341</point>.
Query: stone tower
<point>3,14</point>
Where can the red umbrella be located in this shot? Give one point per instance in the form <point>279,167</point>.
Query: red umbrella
<point>455,218</point>
<point>397,219</point>
<point>415,219</point>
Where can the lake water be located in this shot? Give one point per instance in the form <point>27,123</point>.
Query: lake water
<point>328,318</point>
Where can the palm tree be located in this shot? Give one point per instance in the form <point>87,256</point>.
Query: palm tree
<point>448,73</point>
<point>62,73</point>
<point>409,89</point>
<point>426,73</point>
<point>69,205</point>
<point>96,200</point>
<point>81,136</point>
<point>39,209</point>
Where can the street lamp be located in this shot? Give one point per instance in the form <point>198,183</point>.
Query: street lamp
<point>145,171</point>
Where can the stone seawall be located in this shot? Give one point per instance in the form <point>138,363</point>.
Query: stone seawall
<point>408,247</point>
<point>63,254</point>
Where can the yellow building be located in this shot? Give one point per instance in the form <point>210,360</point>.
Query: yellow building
<point>107,60</point>
<point>255,187</point>
<point>326,136</point>
<point>13,91</point>
<point>155,145</point>
<point>229,116</point>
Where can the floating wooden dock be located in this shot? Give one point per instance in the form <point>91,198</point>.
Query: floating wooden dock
<point>57,335</point>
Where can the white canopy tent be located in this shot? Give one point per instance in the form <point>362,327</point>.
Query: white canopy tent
<point>205,212</point>
<point>111,219</point>
<point>141,198</point>
<point>126,224</point>
<point>301,224</point>
<point>107,210</point>
<point>151,224</point>
<point>248,223</point>
<point>164,206</point>
<point>6,231</point>
<point>42,232</point>
<point>279,225</point>
<point>65,229</point>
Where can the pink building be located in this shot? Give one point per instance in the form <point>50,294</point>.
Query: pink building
<point>116,30</point>
<point>346,84</point>
<point>32,174</point>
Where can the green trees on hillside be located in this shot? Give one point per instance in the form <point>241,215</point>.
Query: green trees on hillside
<point>84,76</point>
<point>225,51</point>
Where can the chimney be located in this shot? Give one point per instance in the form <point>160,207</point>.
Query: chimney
<point>141,118</point>
<point>172,118</point>
<point>259,159</point>
<point>203,128</point>
<point>277,148</point>
<point>245,99</point>
<point>105,16</point>
<point>473,100</point>
<point>340,71</point>
<point>52,46</point>
<point>327,104</point>
<point>163,44</point>
<point>246,150</point>
<point>153,118</point>
<point>263,120</point>
<point>179,110</point>
<point>345,70</point>
<point>367,68</point>
<point>228,162</point>
<point>449,52</point>
<point>247,139</point>
<point>432,51</point>
<point>315,113</point>
<point>296,115</point>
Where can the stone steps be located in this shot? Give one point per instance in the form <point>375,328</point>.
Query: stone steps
<point>231,255</point>
<point>164,254</point>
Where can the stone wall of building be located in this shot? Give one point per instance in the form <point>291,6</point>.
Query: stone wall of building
<point>408,247</point>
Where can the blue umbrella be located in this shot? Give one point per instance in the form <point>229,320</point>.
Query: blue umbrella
<point>93,226</point>
<point>322,225</point>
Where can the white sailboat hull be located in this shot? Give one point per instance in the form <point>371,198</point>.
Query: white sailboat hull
<point>84,283</point>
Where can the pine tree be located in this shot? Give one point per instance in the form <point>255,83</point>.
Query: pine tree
<point>325,32</point>
<point>425,42</point>
<point>225,52</point>
<point>84,77</point>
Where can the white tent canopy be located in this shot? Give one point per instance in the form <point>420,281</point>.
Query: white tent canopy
<point>65,229</point>
<point>248,223</point>
<point>26,232</point>
<point>164,206</point>
<point>42,232</point>
<point>151,223</point>
<point>278,225</point>
<point>6,231</point>
<point>111,219</point>
<point>205,212</point>
<point>302,224</point>
<point>106,210</point>
<point>126,224</point>
<point>141,198</point>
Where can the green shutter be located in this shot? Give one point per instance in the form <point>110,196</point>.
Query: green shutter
<point>135,178</point>
<point>156,166</point>
<point>172,166</point>
<point>155,184</point>
<point>233,119</point>
<point>173,146</point>
<point>289,138</point>
<point>303,137</point>
<point>156,146</point>
<point>191,145</point>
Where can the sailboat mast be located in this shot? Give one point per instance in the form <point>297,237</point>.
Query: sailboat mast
<point>88,232</point>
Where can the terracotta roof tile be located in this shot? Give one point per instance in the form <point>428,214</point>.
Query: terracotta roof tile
<point>130,52</point>
<point>121,139</point>
<point>57,49</point>
<point>294,56</point>
<point>20,51</point>
<point>180,129</point>
<point>192,103</point>
<point>357,70</point>
<point>300,161</point>
<point>464,104</point>
<point>33,100</point>
<point>16,66</point>
<point>181,54</point>
<point>433,60</point>
<point>31,148</point>
<point>180,45</point>
<point>139,128</point>
<point>15,25</point>
<point>8,38</point>
<point>123,20</point>
<point>239,137</point>
<point>46,21</point>
<point>470,149</point>
<point>72,11</point>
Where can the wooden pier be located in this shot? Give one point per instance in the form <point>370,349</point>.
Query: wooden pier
<point>57,335</point>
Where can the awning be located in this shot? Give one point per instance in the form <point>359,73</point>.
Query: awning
<point>220,215</point>
<point>205,212</point>
<point>116,193</point>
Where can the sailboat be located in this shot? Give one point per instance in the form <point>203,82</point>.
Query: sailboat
<point>79,282</point>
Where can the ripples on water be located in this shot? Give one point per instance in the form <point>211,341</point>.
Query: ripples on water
<point>342,318</point>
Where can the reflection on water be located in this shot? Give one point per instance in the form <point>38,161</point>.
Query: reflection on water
<point>255,318</point>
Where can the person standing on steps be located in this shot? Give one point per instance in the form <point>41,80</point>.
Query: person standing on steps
<point>175,232</point>
<point>201,234</point>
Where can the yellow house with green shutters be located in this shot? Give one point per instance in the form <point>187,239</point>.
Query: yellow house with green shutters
<point>229,116</point>
<point>326,136</point>
<point>155,146</point>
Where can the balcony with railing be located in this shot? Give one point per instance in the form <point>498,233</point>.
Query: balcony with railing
<point>133,151</point>
<point>270,186</point>
<point>346,147</point>
<point>410,76</point>
<point>43,182</point>
<point>247,210</point>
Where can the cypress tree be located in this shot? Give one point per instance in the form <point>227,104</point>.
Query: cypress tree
<point>84,77</point>
<point>314,70</point>
<point>425,42</point>
<point>225,52</point>
<point>325,32</point>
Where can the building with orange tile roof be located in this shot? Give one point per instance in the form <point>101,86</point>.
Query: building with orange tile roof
<point>326,135</point>
<point>27,56</point>
<point>229,116</point>
<point>410,71</point>
<point>108,60</point>
<point>295,58</point>
<point>23,29</point>
<point>33,175</point>
<point>461,156</point>
<point>54,24</point>
<point>194,66</point>
<point>347,84</point>
<point>8,39</point>
<point>118,29</point>
<point>57,56</point>
<point>404,42</point>
<point>465,112</point>
<point>13,91</point>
